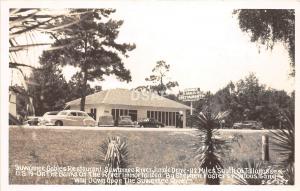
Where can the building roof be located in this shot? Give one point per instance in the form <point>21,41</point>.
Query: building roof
<point>129,98</point>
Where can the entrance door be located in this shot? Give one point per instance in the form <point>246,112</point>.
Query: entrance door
<point>133,115</point>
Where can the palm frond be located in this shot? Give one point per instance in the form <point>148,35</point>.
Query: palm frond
<point>283,140</point>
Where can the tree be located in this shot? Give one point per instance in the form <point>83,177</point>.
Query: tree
<point>269,26</point>
<point>158,77</point>
<point>92,47</point>
<point>74,88</point>
<point>247,99</point>
<point>48,88</point>
<point>25,25</point>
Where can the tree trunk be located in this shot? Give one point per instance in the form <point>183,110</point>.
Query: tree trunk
<point>84,71</point>
<point>83,90</point>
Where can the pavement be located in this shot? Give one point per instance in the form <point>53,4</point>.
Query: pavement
<point>130,129</point>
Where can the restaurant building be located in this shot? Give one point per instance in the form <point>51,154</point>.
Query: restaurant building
<point>137,104</point>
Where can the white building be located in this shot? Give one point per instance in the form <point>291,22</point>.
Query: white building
<point>138,105</point>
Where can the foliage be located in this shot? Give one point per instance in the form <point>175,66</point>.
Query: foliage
<point>269,26</point>
<point>249,177</point>
<point>247,99</point>
<point>114,154</point>
<point>284,144</point>
<point>74,88</point>
<point>157,79</point>
<point>28,24</point>
<point>208,148</point>
<point>48,88</point>
<point>25,27</point>
<point>92,47</point>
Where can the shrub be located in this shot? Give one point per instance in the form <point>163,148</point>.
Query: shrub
<point>209,146</point>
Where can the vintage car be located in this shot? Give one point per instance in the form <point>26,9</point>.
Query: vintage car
<point>48,115</point>
<point>125,121</point>
<point>71,118</point>
<point>248,125</point>
<point>32,121</point>
<point>106,121</point>
<point>150,122</point>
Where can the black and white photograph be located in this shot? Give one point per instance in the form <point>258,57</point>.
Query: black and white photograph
<point>148,93</point>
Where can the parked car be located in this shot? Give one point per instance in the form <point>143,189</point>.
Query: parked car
<point>106,121</point>
<point>150,122</point>
<point>125,121</point>
<point>71,118</point>
<point>48,115</point>
<point>248,125</point>
<point>32,121</point>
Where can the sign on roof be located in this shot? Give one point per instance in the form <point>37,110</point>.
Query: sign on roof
<point>191,94</point>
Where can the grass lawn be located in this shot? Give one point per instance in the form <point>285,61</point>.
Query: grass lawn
<point>146,149</point>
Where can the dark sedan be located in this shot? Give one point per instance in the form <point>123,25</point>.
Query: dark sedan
<point>150,122</point>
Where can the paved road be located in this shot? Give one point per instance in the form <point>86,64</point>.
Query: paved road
<point>131,129</point>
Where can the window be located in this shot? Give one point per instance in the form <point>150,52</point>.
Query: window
<point>73,114</point>
<point>125,112</point>
<point>93,113</point>
<point>177,119</point>
<point>148,114</point>
<point>159,116</point>
<point>163,117</point>
<point>152,114</point>
<point>173,118</point>
<point>167,118</point>
<point>113,112</point>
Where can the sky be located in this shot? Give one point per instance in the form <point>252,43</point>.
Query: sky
<point>204,46</point>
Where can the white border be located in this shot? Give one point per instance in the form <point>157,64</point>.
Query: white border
<point>5,5</point>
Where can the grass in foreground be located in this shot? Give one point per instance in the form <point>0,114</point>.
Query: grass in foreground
<point>146,149</point>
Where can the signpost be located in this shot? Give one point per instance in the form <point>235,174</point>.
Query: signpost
<point>191,94</point>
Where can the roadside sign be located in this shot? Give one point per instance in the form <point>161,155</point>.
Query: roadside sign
<point>191,94</point>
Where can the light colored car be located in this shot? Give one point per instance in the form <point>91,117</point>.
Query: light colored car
<point>47,116</point>
<point>125,121</point>
<point>71,118</point>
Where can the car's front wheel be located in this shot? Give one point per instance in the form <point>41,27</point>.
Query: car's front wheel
<point>58,123</point>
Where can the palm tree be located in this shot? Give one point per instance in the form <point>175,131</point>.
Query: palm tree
<point>249,177</point>
<point>284,145</point>
<point>208,148</point>
<point>114,154</point>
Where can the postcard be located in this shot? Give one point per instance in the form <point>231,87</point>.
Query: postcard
<point>158,94</point>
